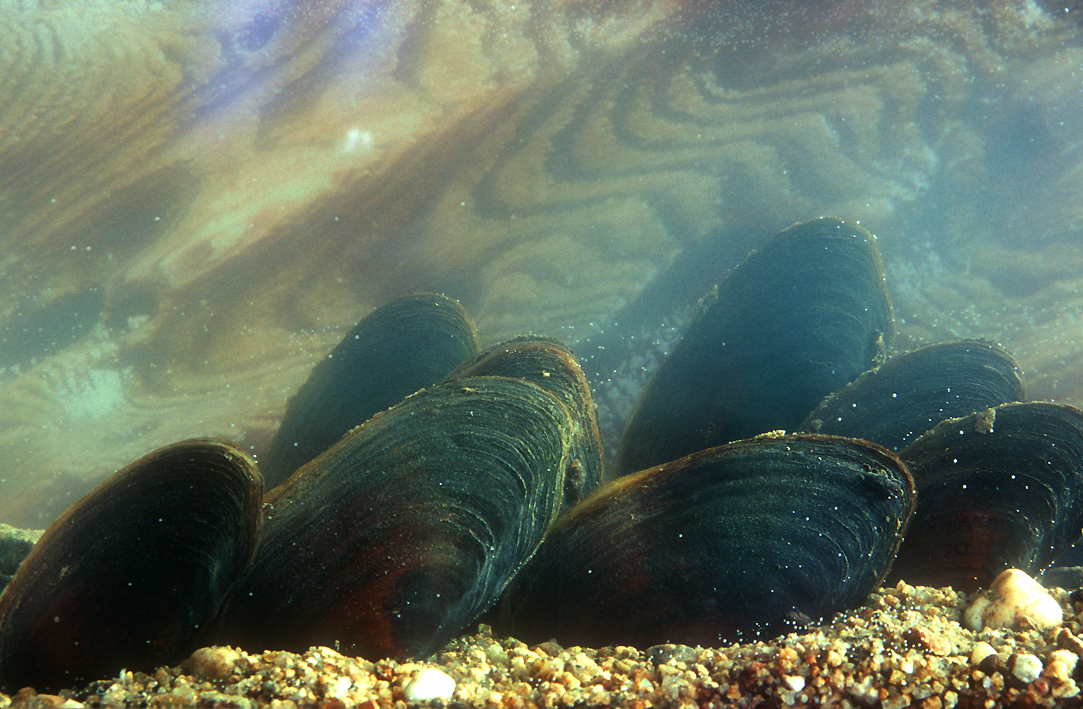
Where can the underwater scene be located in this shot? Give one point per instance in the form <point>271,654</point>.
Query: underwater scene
<point>632,330</point>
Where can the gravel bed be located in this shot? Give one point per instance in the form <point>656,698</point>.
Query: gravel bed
<point>904,647</point>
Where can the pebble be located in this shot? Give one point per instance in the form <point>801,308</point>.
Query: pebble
<point>1067,640</point>
<point>661,654</point>
<point>1061,664</point>
<point>981,651</point>
<point>1027,668</point>
<point>1013,600</point>
<point>925,639</point>
<point>429,684</point>
<point>213,662</point>
<point>885,653</point>
<point>794,683</point>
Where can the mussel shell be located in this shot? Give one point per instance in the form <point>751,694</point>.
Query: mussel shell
<point>410,343</point>
<point>130,575</point>
<point>726,543</point>
<point>389,543</point>
<point>910,393</point>
<point>552,366</point>
<point>796,321</point>
<point>997,489</point>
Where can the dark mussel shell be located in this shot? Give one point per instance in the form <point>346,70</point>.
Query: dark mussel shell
<point>130,575</point>
<point>389,543</point>
<point>910,393</point>
<point>796,321</point>
<point>550,364</point>
<point>410,343</point>
<point>997,489</point>
<point>725,543</point>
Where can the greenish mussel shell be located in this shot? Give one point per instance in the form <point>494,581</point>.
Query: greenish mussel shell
<point>410,343</point>
<point>796,321</point>
<point>724,544</point>
<point>552,366</point>
<point>131,574</point>
<point>897,402</point>
<point>390,542</point>
<point>999,488</point>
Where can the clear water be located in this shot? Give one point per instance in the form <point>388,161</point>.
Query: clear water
<point>198,199</point>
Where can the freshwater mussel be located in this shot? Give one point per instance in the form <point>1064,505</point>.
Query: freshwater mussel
<point>745,538</point>
<point>398,536</point>
<point>796,321</point>
<point>421,480</point>
<point>999,488</point>
<point>736,560</point>
<point>133,572</point>
<point>408,344</point>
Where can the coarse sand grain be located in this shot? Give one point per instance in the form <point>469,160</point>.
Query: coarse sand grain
<point>904,647</point>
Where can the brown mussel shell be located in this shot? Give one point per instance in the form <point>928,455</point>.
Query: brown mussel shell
<point>389,543</point>
<point>131,574</point>
<point>997,489</point>
<point>910,393</point>
<point>726,543</point>
<point>796,321</point>
<point>552,366</point>
<point>410,343</point>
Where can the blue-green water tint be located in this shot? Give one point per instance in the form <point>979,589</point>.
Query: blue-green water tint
<point>235,184</point>
<point>39,330</point>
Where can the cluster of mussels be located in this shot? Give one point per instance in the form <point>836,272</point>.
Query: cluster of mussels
<point>418,483</point>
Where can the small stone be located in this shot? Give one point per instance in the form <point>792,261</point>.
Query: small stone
<point>1066,640</point>
<point>1013,600</point>
<point>551,648</point>
<point>795,683</point>
<point>661,654</point>
<point>339,688</point>
<point>1060,665</point>
<point>583,668</point>
<point>1027,668</point>
<point>927,640</point>
<point>981,651</point>
<point>1067,657</point>
<point>497,655</point>
<point>43,701</point>
<point>214,663</point>
<point>549,668</point>
<point>428,684</point>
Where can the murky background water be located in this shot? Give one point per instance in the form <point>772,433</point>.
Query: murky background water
<point>197,199</point>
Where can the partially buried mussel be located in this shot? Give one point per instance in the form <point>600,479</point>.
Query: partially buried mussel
<point>418,482</point>
<point>131,574</point>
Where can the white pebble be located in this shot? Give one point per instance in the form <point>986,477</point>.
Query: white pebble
<point>1027,668</point>
<point>981,651</point>
<point>1066,658</point>
<point>795,682</point>
<point>1013,600</point>
<point>428,684</point>
<point>339,688</point>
